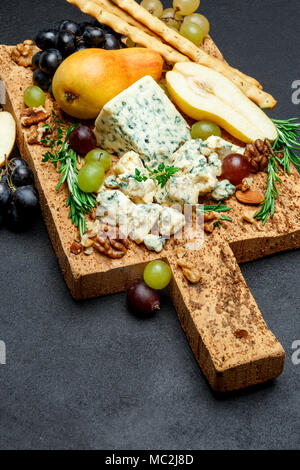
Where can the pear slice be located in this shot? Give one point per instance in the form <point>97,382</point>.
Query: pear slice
<point>7,135</point>
<point>203,93</point>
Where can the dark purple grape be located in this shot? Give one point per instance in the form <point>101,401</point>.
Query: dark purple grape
<point>41,79</point>
<point>110,42</point>
<point>4,178</point>
<point>82,140</point>
<point>14,219</point>
<point>69,26</point>
<point>22,176</point>
<point>36,60</point>
<point>142,300</point>
<point>235,168</point>
<point>104,27</point>
<point>5,196</point>
<point>47,39</point>
<point>16,162</point>
<point>66,43</point>
<point>93,36</point>
<point>80,45</point>
<point>26,200</point>
<point>83,25</point>
<point>50,60</point>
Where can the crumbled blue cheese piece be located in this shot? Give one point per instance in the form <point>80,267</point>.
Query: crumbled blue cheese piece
<point>179,189</point>
<point>220,146</point>
<point>144,218</point>
<point>223,190</point>
<point>111,182</point>
<point>189,155</point>
<point>154,242</point>
<point>115,209</point>
<point>170,221</point>
<point>140,192</point>
<point>142,119</point>
<point>128,163</point>
<point>215,164</point>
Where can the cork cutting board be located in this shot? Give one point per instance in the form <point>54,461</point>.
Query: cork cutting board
<point>219,315</point>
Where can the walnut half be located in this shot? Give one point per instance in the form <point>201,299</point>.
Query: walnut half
<point>23,53</point>
<point>190,270</point>
<point>32,116</point>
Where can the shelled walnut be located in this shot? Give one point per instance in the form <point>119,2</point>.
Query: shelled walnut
<point>210,220</point>
<point>109,241</point>
<point>36,134</point>
<point>190,270</point>
<point>258,155</point>
<point>23,53</point>
<point>33,116</point>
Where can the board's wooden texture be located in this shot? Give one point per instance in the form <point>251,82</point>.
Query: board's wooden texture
<point>212,312</point>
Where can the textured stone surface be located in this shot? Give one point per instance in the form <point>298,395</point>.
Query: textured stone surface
<point>60,389</point>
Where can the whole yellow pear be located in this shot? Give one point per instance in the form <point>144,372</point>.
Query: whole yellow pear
<point>88,79</point>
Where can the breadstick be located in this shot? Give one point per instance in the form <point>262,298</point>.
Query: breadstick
<point>110,8</point>
<point>122,27</point>
<point>185,46</point>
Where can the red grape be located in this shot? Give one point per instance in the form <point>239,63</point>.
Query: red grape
<point>142,300</point>
<point>82,140</point>
<point>235,168</point>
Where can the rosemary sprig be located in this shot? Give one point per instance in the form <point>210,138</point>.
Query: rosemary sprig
<point>286,144</point>
<point>215,208</point>
<point>65,159</point>
<point>160,176</point>
<point>268,205</point>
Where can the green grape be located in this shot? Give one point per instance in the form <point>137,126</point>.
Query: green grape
<point>153,6</point>
<point>130,43</point>
<point>204,129</point>
<point>91,177</point>
<point>186,7</point>
<point>165,89</point>
<point>200,20</point>
<point>34,97</point>
<point>193,32</point>
<point>100,156</point>
<point>157,274</point>
<point>172,19</point>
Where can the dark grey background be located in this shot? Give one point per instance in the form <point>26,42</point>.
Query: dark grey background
<point>89,375</point>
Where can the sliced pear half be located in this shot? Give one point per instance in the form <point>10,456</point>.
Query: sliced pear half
<point>203,93</point>
<point>7,135</point>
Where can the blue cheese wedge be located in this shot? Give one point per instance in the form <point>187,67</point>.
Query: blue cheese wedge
<point>170,221</point>
<point>154,242</point>
<point>142,119</point>
<point>223,190</point>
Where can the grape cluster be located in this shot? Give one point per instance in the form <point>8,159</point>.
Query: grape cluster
<point>181,17</point>
<point>68,37</point>
<point>19,201</point>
